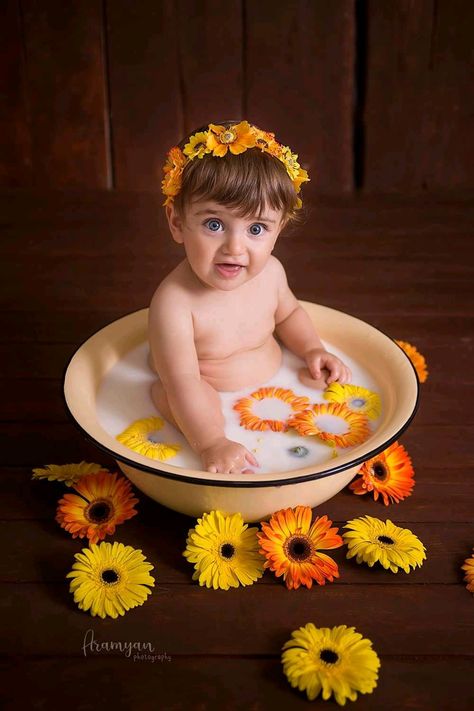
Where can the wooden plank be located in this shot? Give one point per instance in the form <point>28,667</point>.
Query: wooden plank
<point>15,161</point>
<point>66,93</point>
<point>418,683</point>
<point>421,55</point>
<point>300,81</point>
<point>161,535</point>
<point>440,495</point>
<point>183,619</point>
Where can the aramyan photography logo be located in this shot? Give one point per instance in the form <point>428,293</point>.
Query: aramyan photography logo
<point>137,651</point>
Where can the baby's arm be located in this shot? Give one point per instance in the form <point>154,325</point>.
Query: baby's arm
<point>193,402</point>
<point>295,329</point>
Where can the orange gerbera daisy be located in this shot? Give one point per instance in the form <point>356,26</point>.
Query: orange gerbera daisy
<point>252,422</point>
<point>469,577</point>
<point>416,358</point>
<point>291,545</point>
<point>389,474</point>
<point>104,502</point>
<point>358,423</point>
<point>236,138</point>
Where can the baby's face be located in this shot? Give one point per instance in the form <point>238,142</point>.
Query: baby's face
<point>224,250</point>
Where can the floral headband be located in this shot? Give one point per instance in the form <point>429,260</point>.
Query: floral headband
<point>218,140</point>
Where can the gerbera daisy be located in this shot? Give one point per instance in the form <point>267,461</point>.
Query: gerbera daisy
<point>469,577</point>
<point>141,436</point>
<point>197,146</point>
<point>355,397</point>
<point>245,405</point>
<point>390,474</point>
<point>416,358</point>
<point>291,545</point>
<point>335,660</point>
<point>110,578</point>
<point>224,551</point>
<point>359,430</point>
<point>68,473</point>
<point>103,502</point>
<point>236,138</point>
<point>372,540</point>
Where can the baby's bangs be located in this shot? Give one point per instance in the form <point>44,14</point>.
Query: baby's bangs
<point>246,183</point>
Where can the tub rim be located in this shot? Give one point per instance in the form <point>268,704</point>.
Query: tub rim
<point>226,482</point>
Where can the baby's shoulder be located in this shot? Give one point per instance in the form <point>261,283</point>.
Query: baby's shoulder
<point>276,270</point>
<point>172,294</point>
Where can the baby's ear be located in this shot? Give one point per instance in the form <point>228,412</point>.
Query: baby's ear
<point>175,224</point>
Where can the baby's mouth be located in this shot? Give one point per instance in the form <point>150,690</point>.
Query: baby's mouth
<point>229,269</point>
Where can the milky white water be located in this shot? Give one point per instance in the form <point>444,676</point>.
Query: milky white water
<point>124,397</point>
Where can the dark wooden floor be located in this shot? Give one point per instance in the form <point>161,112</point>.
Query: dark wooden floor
<point>72,262</point>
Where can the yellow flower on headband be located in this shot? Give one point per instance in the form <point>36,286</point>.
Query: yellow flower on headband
<point>197,145</point>
<point>236,139</point>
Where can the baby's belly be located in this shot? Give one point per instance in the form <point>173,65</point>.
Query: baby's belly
<point>246,369</point>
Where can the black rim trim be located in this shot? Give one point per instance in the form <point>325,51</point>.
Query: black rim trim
<point>239,484</point>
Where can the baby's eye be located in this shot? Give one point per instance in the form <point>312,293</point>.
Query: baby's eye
<point>257,229</point>
<point>213,224</point>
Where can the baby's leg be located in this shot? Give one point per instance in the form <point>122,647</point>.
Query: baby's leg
<point>160,400</point>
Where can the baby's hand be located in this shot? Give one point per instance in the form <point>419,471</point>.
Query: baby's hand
<point>319,358</point>
<point>227,457</point>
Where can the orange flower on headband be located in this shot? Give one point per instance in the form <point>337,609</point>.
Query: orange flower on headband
<point>236,139</point>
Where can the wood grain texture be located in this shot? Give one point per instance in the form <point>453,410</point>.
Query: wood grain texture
<point>300,84</point>
<point>66,93</point>
<point>419,96</point>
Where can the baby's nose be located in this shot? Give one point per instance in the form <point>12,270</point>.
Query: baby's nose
<point>234,243</point>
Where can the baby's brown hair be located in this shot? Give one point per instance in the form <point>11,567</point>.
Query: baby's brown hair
<point>246,182</point>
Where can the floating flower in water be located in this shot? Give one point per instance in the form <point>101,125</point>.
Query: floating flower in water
<point>141,437</point>
<point>299,451</point>
<point>372,541</point>
<point>252,422</point>
<point>359,430</point>
<point>390,474</point>
<point>109,579</point>
<point>416,358</point>
<point>335,660</point>
<point>291,545</point>
<point>356,398</point>
<point>469,577</point>
<point>68,473</point>
<point>224,551</point>
<point>104,502</point>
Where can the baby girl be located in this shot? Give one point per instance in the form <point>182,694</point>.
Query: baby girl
<point>231,189</point>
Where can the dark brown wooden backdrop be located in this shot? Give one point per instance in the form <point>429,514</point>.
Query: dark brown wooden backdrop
<point>374,95</point>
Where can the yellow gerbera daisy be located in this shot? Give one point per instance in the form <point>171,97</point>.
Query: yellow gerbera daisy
<point>390,474</point>
<point>197,146</point>
<point>141,437</point>
<point>103,502</point>
<point>356,398</point>
<point>416,358</point>
<point>252,422</point>
<point>372,541</point>
<point>110,578</point>
<point>469,577</point>
<point>359,430</point>
<point>292,545</point>
<point>335,660</point>
<point>236,138</point>
<point>68,473</point>
<point>224,551</point>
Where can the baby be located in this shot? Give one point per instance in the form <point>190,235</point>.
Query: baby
<point>231,189</point>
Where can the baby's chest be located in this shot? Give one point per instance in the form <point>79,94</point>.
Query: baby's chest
<point>220,330</point>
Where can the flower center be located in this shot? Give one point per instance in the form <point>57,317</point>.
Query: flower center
<point>299,451</point>
<point>153,437</point>
<point>109,576</point>
<point>227,136</point>
<point>298,548</point>
<point>379,471</point>
<point>328,656</point>
<point>357,402</point>
<point>386,539</point>
<point>227,550</point>
<point>99,511</point>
